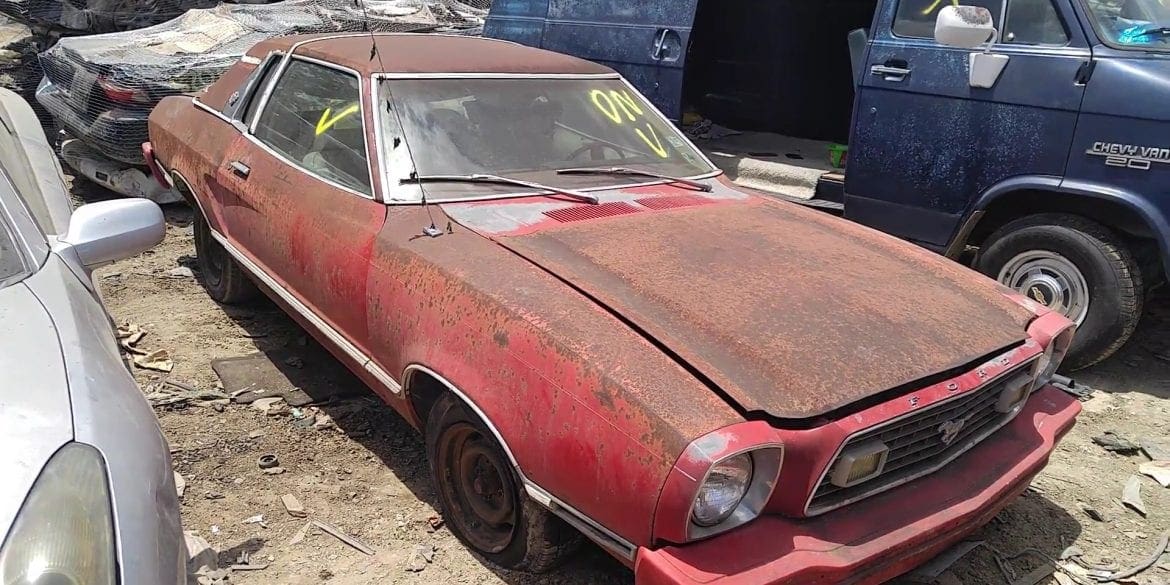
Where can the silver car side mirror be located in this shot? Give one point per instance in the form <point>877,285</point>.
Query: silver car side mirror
<point>112,230</point>
<point>969,27</point>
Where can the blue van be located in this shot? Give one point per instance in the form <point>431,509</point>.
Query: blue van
<point>1052,175</point>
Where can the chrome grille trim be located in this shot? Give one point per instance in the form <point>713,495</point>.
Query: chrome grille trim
<point>979,402</point>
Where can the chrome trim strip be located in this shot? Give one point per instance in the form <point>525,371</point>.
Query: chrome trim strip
<point>603,536</point>
<point>250,60</point>
<point>475,75</point>
<point>335,336</point>
<point>808,512</point>
<point>210,110</point>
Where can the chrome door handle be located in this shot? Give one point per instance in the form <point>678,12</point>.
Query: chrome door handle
<point>240,169</point>
<point>890,73</point>
<point>660,44</point>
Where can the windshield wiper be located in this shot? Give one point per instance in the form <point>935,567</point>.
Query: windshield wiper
<point>628,171</point>
<point>502,181</point>
<point>1157,30</point>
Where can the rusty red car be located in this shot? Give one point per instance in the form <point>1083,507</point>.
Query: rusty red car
<point>597,332</point>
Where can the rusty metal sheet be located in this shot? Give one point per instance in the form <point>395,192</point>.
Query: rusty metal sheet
<point>788,311</point>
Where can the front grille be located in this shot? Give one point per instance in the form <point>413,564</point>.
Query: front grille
<point>916,443</point>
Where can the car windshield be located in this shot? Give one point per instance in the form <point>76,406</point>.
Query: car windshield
<point>1141,24</point>
<point>530,129</point>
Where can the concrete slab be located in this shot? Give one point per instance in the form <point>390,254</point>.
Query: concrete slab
<point>771,162</point>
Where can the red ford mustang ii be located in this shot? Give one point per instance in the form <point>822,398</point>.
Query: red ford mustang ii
<point>596,331</point>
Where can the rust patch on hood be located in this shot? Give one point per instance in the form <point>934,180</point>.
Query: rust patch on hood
<point>788,311</point>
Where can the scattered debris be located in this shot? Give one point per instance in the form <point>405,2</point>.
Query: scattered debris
<point>1070,386</point>
<point>274,471</point>
<point>300,534</point>
<point>180,272</point>
<point>930,571</point>
<point>1093,513</point>
<point>337,533</point>
<point>1132,495</point>
<point>1071,552</point>
<point>1158,450</point>
<point>1142,566</point>
<point>267,461</point>
<point>214,529</point>
<point>159,361</point>
<point>434,523</point>
<point>180,485</point>
<point>244,563</point>
<point>163,397</point>
<point>257,519</point>
<point>202,560</point>
<point>293,506</point>
<point>1159,470</point>
<point>1037,575</point>
<point>213,495</point>
<point>420,557</point>
<point>270,406</point>
<point>322,422</point>
<point>1110,441</point>
<point>256,434</point>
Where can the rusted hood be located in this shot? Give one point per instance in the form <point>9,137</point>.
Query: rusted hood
<point>787,311</point>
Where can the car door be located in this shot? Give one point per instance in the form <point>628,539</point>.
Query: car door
<point>925,143</point>
<point>645,41</point>
<point>306,210</point>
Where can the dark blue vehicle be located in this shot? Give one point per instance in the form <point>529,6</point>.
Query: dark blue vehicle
<point>1053,178</point>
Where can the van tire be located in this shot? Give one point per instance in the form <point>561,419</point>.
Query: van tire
<point>537,541</point>
<point>1114,279</point>
<point>222,277</point>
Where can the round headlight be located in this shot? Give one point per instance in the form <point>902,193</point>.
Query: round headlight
<point>721,492</point>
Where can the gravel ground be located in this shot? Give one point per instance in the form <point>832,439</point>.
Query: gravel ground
<point>368,474</point>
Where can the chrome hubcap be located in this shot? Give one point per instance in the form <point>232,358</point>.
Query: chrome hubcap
<point>1049,279</point>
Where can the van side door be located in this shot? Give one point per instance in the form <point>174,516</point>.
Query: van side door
<point>925,143</point>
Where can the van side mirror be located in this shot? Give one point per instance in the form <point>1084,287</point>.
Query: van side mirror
<point>113,230</point>
<point>965,27</point>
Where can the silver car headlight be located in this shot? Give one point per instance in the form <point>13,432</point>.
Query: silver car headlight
<point>722,490</point>
<point>64,533</point>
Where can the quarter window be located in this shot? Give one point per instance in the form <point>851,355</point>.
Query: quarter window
<point>314,119</point>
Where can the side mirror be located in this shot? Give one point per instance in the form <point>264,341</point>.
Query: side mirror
<point>112,230</point>
<point>965,27</point>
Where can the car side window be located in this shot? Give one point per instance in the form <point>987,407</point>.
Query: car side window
<point>1033,22</point>
<point>313,118</point>
<point>916,18</point>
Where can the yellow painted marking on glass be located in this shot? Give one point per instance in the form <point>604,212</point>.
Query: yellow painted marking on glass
<point>328,120</point>
<point>656,146</point>
<point>616,103</point>
<point>935,5</point>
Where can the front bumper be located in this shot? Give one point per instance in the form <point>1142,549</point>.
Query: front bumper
<point>886,535</point>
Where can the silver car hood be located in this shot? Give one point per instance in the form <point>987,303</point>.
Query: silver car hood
<point>35,417</point>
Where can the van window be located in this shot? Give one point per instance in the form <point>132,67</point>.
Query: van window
<point>1033,22</point>
<point>915,18</point>
<point>314,119</point>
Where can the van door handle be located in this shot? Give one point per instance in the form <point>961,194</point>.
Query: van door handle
<point>890,73</point>
<point>240,169</point>
<point>660,44</point>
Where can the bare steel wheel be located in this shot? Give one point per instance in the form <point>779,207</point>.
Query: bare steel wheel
<point>1049,279</point>
<point>481,495</point>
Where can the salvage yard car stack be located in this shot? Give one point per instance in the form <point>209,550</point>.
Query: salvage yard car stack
<point>595,330</point>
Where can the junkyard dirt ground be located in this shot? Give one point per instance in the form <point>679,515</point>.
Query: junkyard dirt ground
<point>369,476</point>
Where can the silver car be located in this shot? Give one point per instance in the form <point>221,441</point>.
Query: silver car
<point>87,495</point>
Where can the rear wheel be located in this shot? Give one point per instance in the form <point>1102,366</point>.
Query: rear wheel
<point>482,499</point>
<point>224,280</point>
<point>1077,267</point>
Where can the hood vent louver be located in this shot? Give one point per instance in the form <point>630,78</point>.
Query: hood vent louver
<point>586,212</point>
<point>674,202</point>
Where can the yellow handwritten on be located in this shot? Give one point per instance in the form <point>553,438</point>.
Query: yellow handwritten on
<point>620,106</point>
<point>937,3</point>
<point>328,120</point>
<point>656,145</point>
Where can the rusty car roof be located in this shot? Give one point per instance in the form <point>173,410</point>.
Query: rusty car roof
<point>421,53</point>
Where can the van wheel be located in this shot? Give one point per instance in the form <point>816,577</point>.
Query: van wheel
<point>224,280</point>
<point>482,499</point>
<point>1076,266</point>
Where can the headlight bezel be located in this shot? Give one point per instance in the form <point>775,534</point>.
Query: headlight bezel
<point>766,463</point>
<point>55,488</point>
<point>1054,354</point>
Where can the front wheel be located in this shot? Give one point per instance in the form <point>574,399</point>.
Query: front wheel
<point>482,500</point>
<point>1076,267</point>
<point>224,280</point>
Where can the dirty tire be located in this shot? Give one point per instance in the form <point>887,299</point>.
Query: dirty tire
<point>535,540</point>
<point>1113,276</point>
<point>224,280</point>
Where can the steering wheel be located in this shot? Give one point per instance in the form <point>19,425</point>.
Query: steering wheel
<point>596,151</point>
